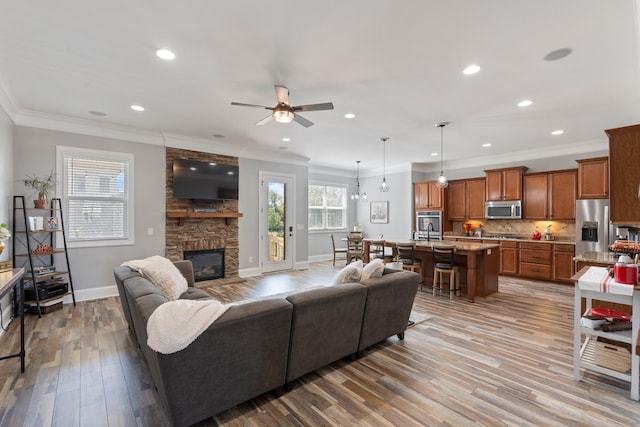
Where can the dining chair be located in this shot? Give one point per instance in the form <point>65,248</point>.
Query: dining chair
<point>355,248</point>
<point>444,263</point>
<point>337,251</point>
<point>376,249</point>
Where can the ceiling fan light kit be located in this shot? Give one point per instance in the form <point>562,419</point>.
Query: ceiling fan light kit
<point>442,182</point>
<point>285,113</point>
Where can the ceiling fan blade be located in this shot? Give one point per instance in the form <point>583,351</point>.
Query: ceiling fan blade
<point>265,120</point>
<point>240,104</point>
<point>314,107</point>
<point>282,93</point>
<point>304,122</point>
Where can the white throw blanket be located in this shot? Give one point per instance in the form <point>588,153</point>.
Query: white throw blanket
<point>176,324</point>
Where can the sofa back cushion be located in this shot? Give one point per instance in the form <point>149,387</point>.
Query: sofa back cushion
<point>162,273</point>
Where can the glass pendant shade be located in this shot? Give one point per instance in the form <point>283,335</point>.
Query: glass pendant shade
<point>358,195</point>
<point>442,182</point>
<point>384,187</point>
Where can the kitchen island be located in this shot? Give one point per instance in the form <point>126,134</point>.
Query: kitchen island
<point>478,264</point>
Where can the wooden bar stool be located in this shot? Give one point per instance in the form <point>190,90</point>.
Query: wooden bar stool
<point>443,263</point>
<point>406,253</point>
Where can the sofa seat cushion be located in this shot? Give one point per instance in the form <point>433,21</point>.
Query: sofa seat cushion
<point>162,273</point>
<point>195,294</point>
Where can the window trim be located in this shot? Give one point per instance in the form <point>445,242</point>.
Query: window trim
<point>61,150</point>
<point>346,208</point>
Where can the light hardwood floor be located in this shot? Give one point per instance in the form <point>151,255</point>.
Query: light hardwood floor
<point>505,360</point>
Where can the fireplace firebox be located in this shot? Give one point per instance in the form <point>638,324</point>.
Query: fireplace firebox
<point>207,264</point>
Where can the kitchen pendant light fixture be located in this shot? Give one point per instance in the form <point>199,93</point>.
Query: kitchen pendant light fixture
<point>384,187</point>
<point>442,180</point>
<point>358,195</point>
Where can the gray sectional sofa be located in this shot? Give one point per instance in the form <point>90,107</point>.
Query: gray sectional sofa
<point>262,345</point>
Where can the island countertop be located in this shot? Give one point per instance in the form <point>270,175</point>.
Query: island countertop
<point>601,258</point>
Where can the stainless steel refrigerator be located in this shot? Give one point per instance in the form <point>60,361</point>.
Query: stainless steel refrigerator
<point>594,233</point>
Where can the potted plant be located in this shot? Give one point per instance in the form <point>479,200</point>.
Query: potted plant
<point>43,186</point>
<point>396,263</point>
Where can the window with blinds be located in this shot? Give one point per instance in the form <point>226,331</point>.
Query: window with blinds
<point>96,196</point>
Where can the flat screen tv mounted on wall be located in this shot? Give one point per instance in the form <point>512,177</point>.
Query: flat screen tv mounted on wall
<point>204,180</point>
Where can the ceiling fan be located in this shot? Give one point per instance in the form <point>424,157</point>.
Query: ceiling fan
<point>285,113</point>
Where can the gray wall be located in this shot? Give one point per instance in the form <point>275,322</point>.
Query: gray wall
<point>35,153</point>
<point>6,190</point>
<point>249,224</point>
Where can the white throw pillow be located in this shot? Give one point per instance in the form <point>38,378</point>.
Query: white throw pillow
<point>351,273</point>
<point>373,269</point>
<point>162,273</point>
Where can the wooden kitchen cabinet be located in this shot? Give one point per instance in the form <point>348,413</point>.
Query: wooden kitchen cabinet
<point>465,199</point>
<point>593,178</point>
<point>624,175</point>
<point>563,265</point>
<point>427,195</point>
<point>504,184</point>
<point>535,260</point>
<point>550,195</point>
<point>509,258</point>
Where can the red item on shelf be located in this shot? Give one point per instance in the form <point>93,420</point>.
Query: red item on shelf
<point>609,313</point>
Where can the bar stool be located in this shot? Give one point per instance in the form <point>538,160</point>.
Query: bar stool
<point>443,263</point>
<point>406,253</point>
<point>376,249</point>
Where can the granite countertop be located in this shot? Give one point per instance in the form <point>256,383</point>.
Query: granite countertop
<point>463,246</point>
<point>569,240</point>
<point>604,258</point>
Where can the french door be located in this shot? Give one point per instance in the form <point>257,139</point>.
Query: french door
<point>277,221</point>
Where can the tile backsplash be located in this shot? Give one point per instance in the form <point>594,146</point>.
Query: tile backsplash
<point>524,227</point>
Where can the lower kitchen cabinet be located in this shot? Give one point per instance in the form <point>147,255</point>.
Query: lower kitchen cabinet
<point>535,260</point>
<point>509,257</point>
<point>563,265</point>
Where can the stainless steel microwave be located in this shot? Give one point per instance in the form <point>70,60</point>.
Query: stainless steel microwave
<point>511,209</point>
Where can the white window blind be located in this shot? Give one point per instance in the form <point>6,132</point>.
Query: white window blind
<point>96,196</point>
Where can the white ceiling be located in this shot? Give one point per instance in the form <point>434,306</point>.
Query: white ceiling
<point>396,65</point>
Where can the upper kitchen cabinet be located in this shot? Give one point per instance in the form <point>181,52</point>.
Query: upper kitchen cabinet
<point>504,184</point>
<point>466,199</point>
<point>427,195</point>
<point>624,175</point>
<point>593,178</point>
<point>550,195</point>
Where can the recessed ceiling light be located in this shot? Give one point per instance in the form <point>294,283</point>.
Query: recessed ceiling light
<point>557,132</point>
<point>349,116</point>
<point>137,107</point>
<point>286,139</point>
<point>97,113</point>
<point>486,144</point>
<point>525,103</point>
<point>434,154</point>
<point>165,54</point>
<point>471,69</point>
<point>558,54</point>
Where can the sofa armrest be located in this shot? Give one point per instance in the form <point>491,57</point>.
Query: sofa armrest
<point>186,268</point>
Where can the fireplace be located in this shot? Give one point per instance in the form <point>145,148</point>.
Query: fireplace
<point>207,264</point>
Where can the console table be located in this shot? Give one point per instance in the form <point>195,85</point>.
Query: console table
<point>8,281</point>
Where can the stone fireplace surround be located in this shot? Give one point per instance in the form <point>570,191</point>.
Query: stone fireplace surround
<point>200,233</point>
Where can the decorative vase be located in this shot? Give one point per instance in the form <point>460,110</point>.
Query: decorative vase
<point>39,203</point>
<point>1,247</point>
<point>395,265</point>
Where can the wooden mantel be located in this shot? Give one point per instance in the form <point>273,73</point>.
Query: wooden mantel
<point>183,215</point>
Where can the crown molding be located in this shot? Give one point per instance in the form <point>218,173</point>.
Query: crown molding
<point>61,123</point>
<point>517,157</point>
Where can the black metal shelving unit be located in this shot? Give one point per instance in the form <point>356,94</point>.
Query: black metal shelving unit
<point>35,248</point>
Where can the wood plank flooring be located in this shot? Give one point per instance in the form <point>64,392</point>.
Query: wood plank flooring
<point>505,360</point>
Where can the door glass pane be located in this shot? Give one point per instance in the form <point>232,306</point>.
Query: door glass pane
<point>276,221</point>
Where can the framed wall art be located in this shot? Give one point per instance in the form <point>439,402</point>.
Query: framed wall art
<point>379,212</point>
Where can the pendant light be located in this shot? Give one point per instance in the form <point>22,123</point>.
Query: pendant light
<point>358,195</point>
<point>442,180</point>
<point>384,187</point>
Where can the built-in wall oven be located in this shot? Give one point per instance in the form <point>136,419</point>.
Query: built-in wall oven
<point>429,225</point>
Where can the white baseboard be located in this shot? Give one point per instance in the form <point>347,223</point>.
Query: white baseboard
<point>92,294</point>
<point>323,257</point>
<point>249,272</point>
<point>302,265</point>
